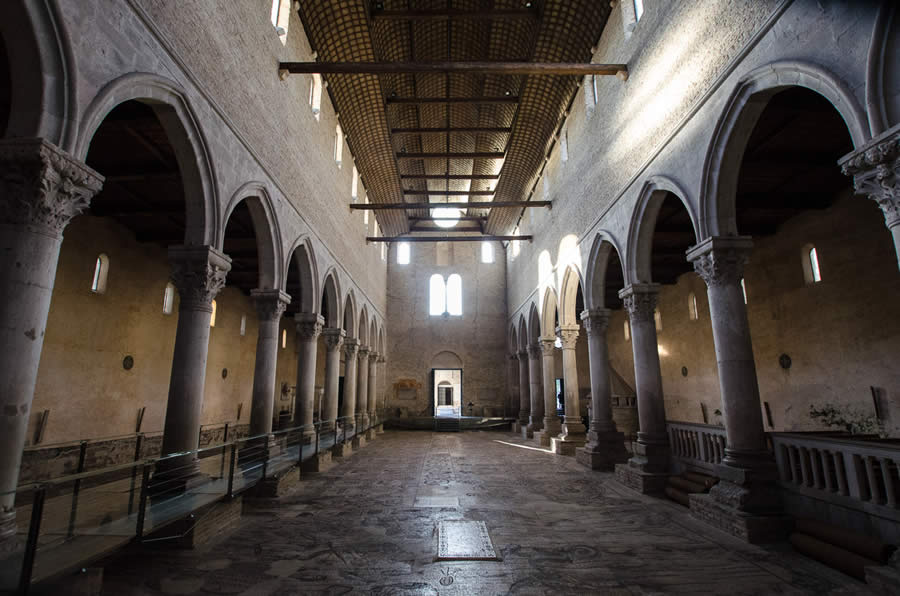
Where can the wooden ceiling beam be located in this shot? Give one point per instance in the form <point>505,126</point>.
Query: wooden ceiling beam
<point>460,218</point>
<point>450,176</point>
<point>454,193</point>
<point>577,69</point>
<point>452,130</point>
<point>451,100</point>
<point>450,14</point>
<point>483,238</point>
<point>445,155</point>
<point>445,230</point>
<point>478,205</point>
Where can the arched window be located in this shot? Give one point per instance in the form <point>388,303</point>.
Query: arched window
<point>315,94</point>
<point>437,298</point>
<point>487,252</point>
<point>354,186</point>
<point>168,299</point>
<point>101,271</point>
<point>638,9</point>
<point>657,318</point>
<point>281,13</point>
<point>692,306</point>
<point>811,271</point>
<point>403,253</point>
<point>338,144</point>
<point>383,251</point>
<point>454,295</point>
<point>243,325</point>
<point>627,330</point>
<point>515,248</point>
<point>212,317</point>
<point>284,338</point>
<point>744,290</point>
<point>564,145</point>
<point>366,214</point>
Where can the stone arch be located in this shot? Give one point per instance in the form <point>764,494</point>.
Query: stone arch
<point>364,326</point>
<point>523,334</point>
<point>373,334</point>
<point>571,282</point>
<point>381,346</point>
<point>598,261</point>
<point>512,340</point>
<point>534,325</point>
<point>331,304</point>
<point>446,359</point>
<point>549,313</point>
<point>265,228</point>
<point>303,257</point>
<point>350,314</point>
<point>643,224</point>
<point>738,120</point>
<point>169,102</point>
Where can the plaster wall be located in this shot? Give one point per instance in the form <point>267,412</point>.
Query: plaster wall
<point>478,337</point>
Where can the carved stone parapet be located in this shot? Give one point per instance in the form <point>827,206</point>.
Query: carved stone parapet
<point>720,260</point>
<point>568,336</point>
<point>596,321</point>
<point>334,338</point>
<point>43,186</point>
<point>351,345</point>
<point>199,274</point>
<point>534,351</point>
<point>309,325</point>
<point>640,301</point>
<point>547,344</point>
<point>875,168</point>
<point>270,304</point>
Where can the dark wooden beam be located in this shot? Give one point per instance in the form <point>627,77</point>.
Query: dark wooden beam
<point>477,205</point>
<point>454,193</point>
<point>450,176</point>
<point>446,238</point>
<point>451,130</point>
<point>443,100</point>
<point>460,218</point>
<point>444,155</point>
<point>455,230</point>
<point>494,68</point>
<point>443,15</point>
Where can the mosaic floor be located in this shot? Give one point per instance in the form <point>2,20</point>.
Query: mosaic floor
<point>367,526</point>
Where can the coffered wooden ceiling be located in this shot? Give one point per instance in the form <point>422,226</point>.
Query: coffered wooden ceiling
<point>445,135</point>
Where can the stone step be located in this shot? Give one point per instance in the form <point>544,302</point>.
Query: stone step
<point>685,485</point>
<point>678,496</point>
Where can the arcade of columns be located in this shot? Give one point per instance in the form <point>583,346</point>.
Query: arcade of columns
<point>42,188</point>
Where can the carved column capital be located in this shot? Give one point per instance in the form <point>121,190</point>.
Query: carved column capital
<point>381,359</point>
<point>43,186</point>
<point>534,351</point>
<point>513,357</point>
<point>363,352</point>
<point>351,345</point>
<point>640,301</point>
<point>875,168</point>
<point>523,356</point>
<point>596,321</point>
<point>720,260</point>
<point>568,335</point>
<point>199,274</point>
<point>270,304</point>
<point>334,338</point>
<point>374,357</point>
<point>548,344</point>
<point>309,325</point>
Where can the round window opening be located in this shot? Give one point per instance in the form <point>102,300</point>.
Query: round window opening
<point>128,362</point>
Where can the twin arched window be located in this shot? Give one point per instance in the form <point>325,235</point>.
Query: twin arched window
<point>445,296</point>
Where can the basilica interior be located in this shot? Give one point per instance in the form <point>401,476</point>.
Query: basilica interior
<point>449,297</point>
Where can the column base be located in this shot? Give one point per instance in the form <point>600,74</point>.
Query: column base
<point>752,528</point>
<point>602,451</point>
<point>516,427</point>
<point>527,432</point>
<point>573,427</point>
<point>326,426</point>
<point>567,444</point>
<point>358,442</point>
<point>646,483</point>
<point>370,434</point>
<point>544,437</point>
<point>317,463</point>
<point>379,429</point>
<point>341,450</point>
<point>650,456</point>
<point>276,486</point>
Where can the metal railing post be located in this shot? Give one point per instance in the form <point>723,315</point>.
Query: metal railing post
<point>265,464</point>
<point>142,504</point>
<point>225,434</point>
<point>76,487</point>
<point>34,531</point>
<point>138,440</point>
<point>231,466</point>
<point>344,424</point>
<point>317,426</point>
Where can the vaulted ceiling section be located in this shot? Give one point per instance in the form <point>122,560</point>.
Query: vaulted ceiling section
<point>440,137</point>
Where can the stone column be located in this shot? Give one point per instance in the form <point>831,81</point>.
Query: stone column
<point>371,402</point>
<point>573,430</point>
<point>380,427</point>
<point>875,168</point>
<point>351,365</point>
<point>524,389</point>
<point>41,189</point>
<point>362,384</point>
<point>748,476</point>
<point>199,274</point>
<point>647,468</point>
<point>512,382</point>
<point>309,326</point>
<point>535,390</point>
<point>605,445</point>
<point>552,425</point>
<point>334,339</point>
<point>270,305</point>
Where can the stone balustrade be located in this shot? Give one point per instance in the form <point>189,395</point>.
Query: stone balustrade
<point>700,447</point>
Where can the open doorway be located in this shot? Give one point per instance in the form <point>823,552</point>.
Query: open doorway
<point>446,391</point>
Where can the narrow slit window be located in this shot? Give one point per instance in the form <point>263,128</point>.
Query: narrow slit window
<point>437,297</point>
<point>811,271</point>
<point>657,318</point>
<point>315,94</point>
<point>168,299</point>
<point>101,272</point>
<point>564,145</point>
<point>403,253</point>
<point>354,186</point>
<point>338,144</point>
<point>692,306</point>
<point>283,338</point>
<point>595,89</point>
<point>366,213</point>
<point>281,13</point>
<point>627,331</point>
<point>638,9</point>
<point>212,317</point>
<point>487,252</point>
<point>454,295</point>
<point>516,248</point>
<point>243,325</point>
<point>744,290</point>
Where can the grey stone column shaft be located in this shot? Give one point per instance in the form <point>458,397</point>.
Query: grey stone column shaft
<point>535,388</point>
<point>524,388</point>
<point>351,366</point>
<point>552,425</point>
<point>270,305</point>
<point>373,386</point>
<point>362,383</point>
<point>651,449</point>
<point>334,339</point>
<point>309,326</point>
<point>199,274</point>
<point>512,382</point>
<point>596,322</point>
<point>41,189</point>
<point>572,424</point>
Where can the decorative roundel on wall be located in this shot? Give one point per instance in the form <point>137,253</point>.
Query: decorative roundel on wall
<point>785,361</point>
<point>684,371</point>
<point>224,373</point>
<point>128,362</point>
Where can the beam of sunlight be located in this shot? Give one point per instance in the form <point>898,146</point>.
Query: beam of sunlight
<point>522,446</point>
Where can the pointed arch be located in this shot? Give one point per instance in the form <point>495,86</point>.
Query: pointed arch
<point>549,313</point>
<point>523,334</point>
<point>381,346</point>
<point>349,318</point>
<point>571,283</point>
<point>595,282</point>
<point>534,325</point>
<point>364,326</point>
<point>265,229</point>
<point>373,334</point>
<point>512,339</point>
<point>330,303</point>
<point>303,257</point>
<point>749,98</point>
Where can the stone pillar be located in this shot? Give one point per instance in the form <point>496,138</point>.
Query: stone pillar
<point>524,389</point>
<point>351,365</point>
<point>552,426</point>
<point>647,469</point>
<point>380,412</point>
<point>362,385</point>
<point>746,502</point>
<point>334,339</point>
<point>535,390</point>
<point>875,168</point>
<point>270,305</point>
<point>371,402</point>
<point>605,445</point>
<point>512,383</point>
<point>573,431</point>
<point>309,326</point>
<point>198,273</point>
<point>41,189</point>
